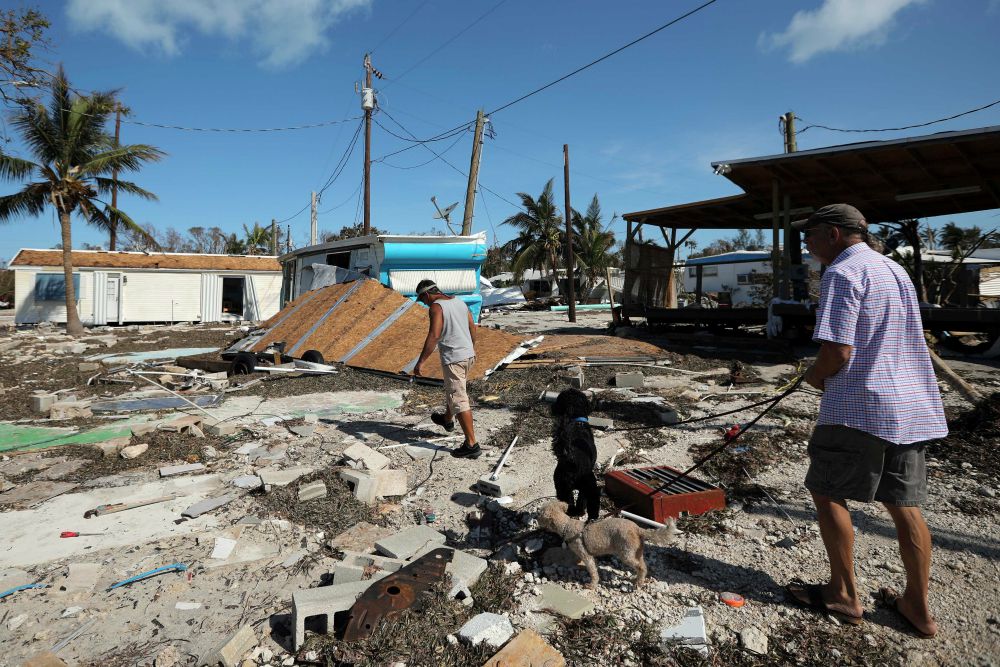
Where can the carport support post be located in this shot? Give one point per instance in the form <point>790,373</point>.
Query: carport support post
<point>697,285</point>
<point>786,264</point>
<point>570,287</point>
<point>775,238</point>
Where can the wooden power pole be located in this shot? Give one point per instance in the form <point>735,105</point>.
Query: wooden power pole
<point>470,190</point>
<point>313,221</point>
<point>274,236</point>
<point>570,287</point>
<point>368,104</point>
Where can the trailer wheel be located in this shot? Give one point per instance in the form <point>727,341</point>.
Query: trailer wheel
<point>313,356</point>
<point>954,343</point>
<point>244,363</point>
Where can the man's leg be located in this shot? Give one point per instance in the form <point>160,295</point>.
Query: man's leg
<point>465,421</point>
<point>837,531</point>
<point>915,548</point>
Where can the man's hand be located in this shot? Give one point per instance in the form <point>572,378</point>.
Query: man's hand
<point>417,371</point>
<point>813,381</point>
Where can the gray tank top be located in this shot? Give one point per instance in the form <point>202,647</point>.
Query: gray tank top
<point>455,343</point>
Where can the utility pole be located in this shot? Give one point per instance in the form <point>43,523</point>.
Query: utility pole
<point>368,104</point>
<point>288,238</point>
<point>274,236</point>
<point>793,286</point>
<point>470,191</point>
<point>113,236</point>
<point>570,287</point>
<point>788,125</point>
<point>313,223</point>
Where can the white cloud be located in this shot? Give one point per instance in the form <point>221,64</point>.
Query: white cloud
<point>837,25</point>
<point>279,32</point>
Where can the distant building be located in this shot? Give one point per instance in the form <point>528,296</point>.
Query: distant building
<point>739,274</point>
<point>131,287</point>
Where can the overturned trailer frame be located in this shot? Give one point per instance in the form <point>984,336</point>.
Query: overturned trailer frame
<point>938,174</point>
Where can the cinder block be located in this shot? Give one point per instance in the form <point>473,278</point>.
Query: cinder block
<point>408,542</point>
<point>493,629</point>
<point>574,375</point>
<point>324,601</point>
<point>367,456</point>
<point>390,482</point>
<point>346,574</point>
<point>354,559</point>
<point>230,653</point>
<point>312,491</point>
<point>362,483</point>
<point>220,429</point>
<point>631,379</point>
<point>70,410</point>
<point>43,402</point>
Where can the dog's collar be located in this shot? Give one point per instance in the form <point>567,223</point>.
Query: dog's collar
<point>581,419</point>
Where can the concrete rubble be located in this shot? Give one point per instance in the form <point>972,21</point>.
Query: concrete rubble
<point>285,498</point>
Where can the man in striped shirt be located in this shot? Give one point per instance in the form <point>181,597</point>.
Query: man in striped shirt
<point>880,407</point>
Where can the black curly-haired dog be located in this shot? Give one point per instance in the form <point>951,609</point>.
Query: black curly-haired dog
<point>573,445</point>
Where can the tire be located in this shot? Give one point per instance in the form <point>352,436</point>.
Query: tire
<point>955,344</point>
<point>244,363</point>
<point>313,356</point>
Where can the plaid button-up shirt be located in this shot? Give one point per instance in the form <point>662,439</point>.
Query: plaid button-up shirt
<point>887,388</point>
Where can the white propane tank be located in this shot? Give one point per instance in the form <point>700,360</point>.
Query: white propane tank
<point>367,99</point>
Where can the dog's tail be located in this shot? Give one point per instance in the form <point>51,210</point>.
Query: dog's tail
<point>662,536</point>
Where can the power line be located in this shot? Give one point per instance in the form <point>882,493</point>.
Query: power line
<point>904,127</point>
<point>450,40</point>
<point>400,25</point>
<point>603,58</point>
<point>395,166</point>
<point>344,203</point>
<point>239,129</point>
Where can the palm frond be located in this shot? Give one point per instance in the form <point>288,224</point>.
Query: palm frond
<point>130,157</point>
<point>106,186</point>
<point>28,202</point>
<point>15,168</point>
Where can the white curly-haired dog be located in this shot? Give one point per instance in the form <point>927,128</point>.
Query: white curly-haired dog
<point>607,537</point>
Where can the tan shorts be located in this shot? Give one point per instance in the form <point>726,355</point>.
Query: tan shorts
<point>455,376</point>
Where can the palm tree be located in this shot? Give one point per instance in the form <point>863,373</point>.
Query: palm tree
<point>539,238</point>
<point>258,239</point>
<point>234,245</point>
<point>930,237</point>
<point>592,243</point>
<point>72,153</point>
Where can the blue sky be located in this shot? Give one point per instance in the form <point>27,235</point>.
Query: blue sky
<point>642,126</point>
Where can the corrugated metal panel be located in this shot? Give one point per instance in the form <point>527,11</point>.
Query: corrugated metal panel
<point>211,297</point>
<point>451,281</point>
<point>100,305</point>
<point>268,288</point>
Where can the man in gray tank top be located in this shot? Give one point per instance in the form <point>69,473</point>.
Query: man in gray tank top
<point>453,332</point>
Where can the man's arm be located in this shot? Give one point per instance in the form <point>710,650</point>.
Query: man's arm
<point>831,358</point>
<point>472,329</point>
<point>433,334</point>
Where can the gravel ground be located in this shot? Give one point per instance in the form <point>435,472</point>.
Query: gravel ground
<point>765,537</point>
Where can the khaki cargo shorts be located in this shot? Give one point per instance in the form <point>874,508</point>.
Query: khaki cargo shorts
<point>851,464</point>
<point>455,376</point>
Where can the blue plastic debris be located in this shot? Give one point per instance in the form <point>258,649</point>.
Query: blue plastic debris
<point>176,567</point>
<point>21,588</point>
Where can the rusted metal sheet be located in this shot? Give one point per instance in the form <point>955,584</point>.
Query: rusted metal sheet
<point>391,595</point>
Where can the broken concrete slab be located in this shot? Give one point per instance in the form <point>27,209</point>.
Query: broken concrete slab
<point>366,456</point>
<point>220,429</point>
<point>70,410</point>
<point>601,423</point>
<point>372,561</point>
<point>363,484</point>
<point>246,482</point>
<point>44,659</point>
<point>503,485</point>
<point>487,628</point>
<point>230,652</point>
<point>278,477</point>
<point>390,482</point>
<point>208,505</point>
<point>630,380</point>
<point>753,640</point>
<point>360,537</point>
<point>140,430</point>
<point>62,469</point>
<point>408,542</point>
<point>223,548</point>
<point>419,451</point>
<point>134,451</point>
<point>303,430</point>
<point>34,493</point>
<point>88,367</point>
<point>464,567</point>
<point>325,601</point>
<point>566,603</point>
<point>312,491</point>
<point>183,469</point>
<point>80,578</point>
<point>110,448</point>
<point>689,632</point>
<point>527,649</point>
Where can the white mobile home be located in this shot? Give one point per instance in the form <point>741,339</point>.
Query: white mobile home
<point>130,287</point>
<point>741,274</point>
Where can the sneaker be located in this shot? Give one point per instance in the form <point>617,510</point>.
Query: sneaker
<point>438,419</point>
<point>466,452</point>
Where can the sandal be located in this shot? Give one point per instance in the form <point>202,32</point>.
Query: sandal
<point>889,598</point>
<point>814,600</point>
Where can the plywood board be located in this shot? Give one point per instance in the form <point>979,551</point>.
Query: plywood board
<point>301,320</point>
